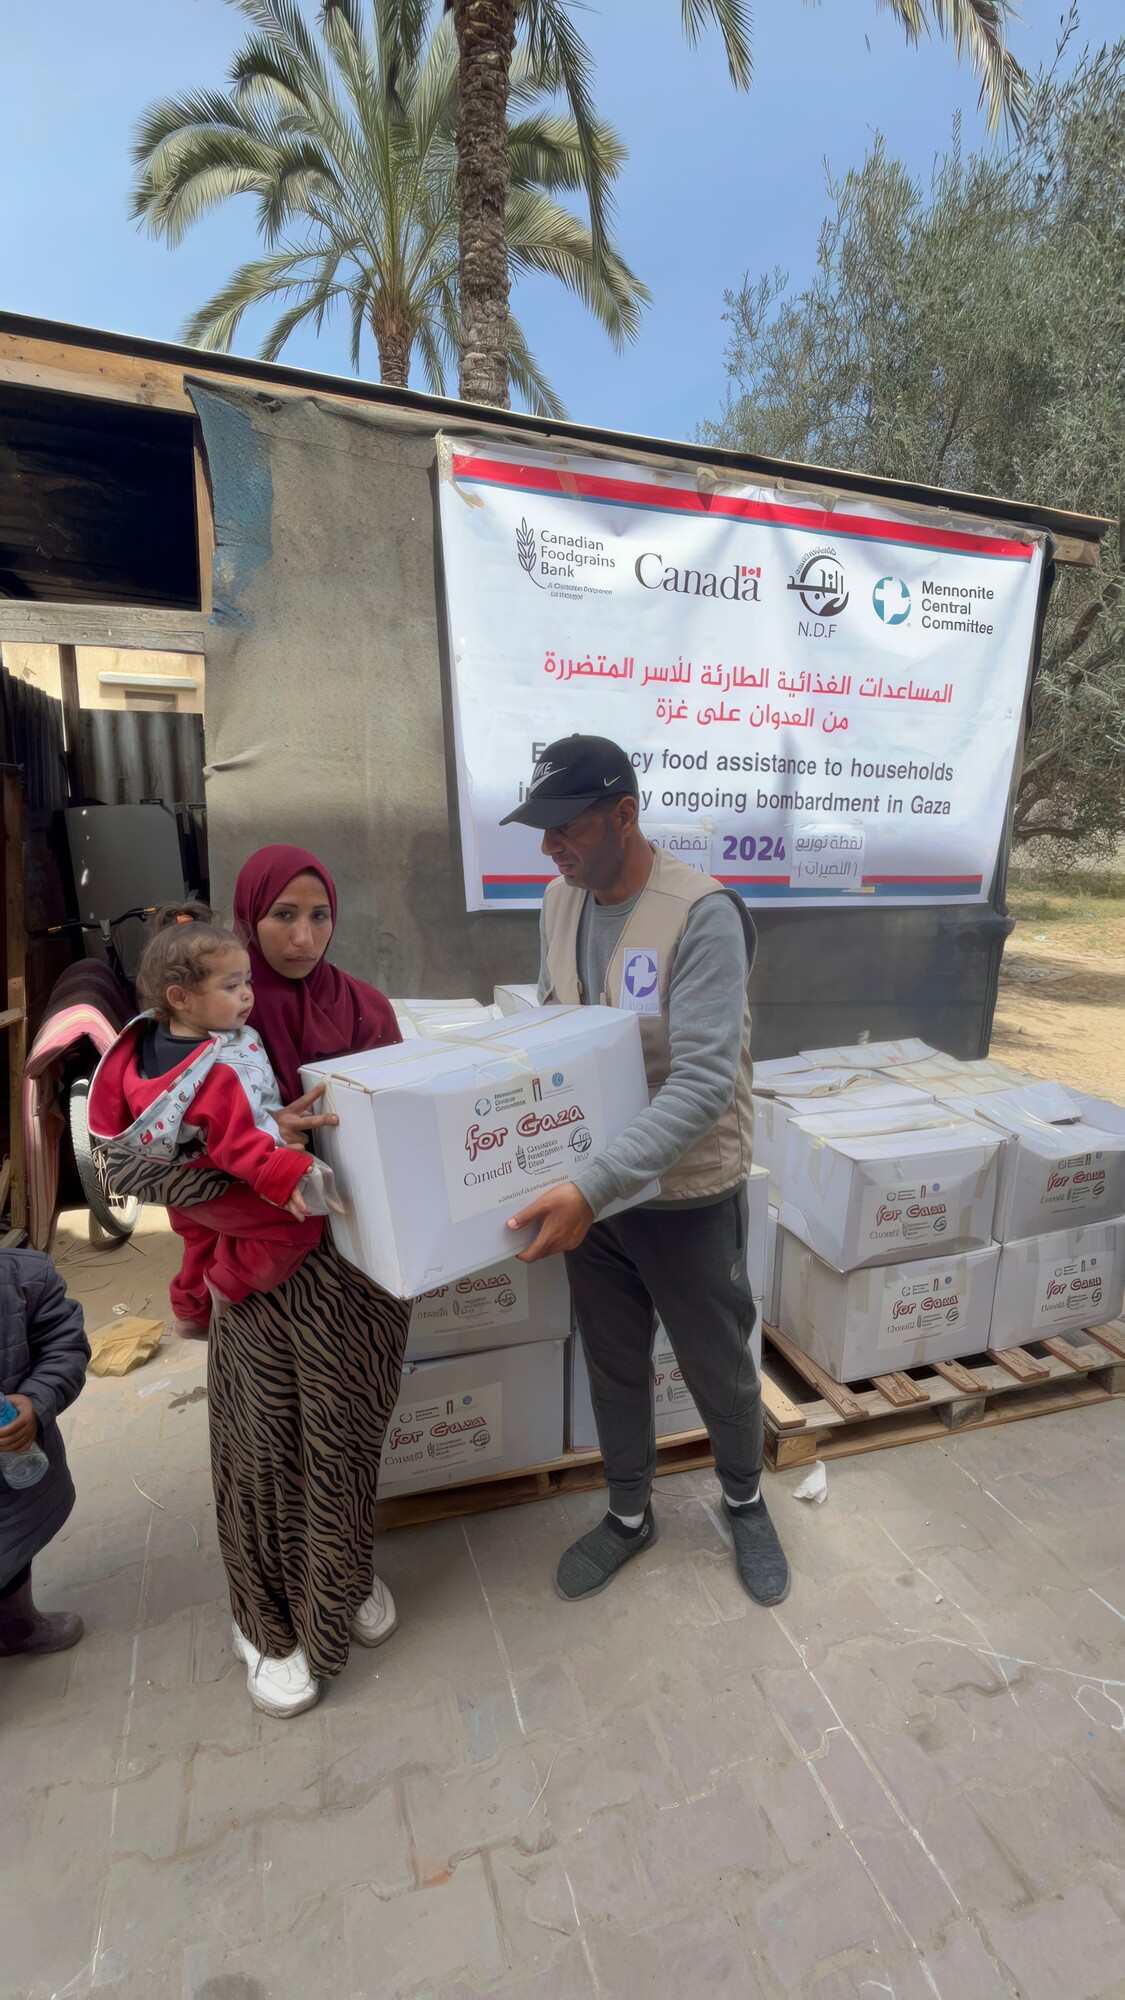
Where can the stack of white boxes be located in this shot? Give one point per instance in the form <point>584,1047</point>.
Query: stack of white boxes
<point>929,1229</point>
<point>1060,1209</point>
<point>440,1139</point>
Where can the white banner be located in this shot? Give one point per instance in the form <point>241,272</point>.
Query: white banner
<point>823,702</point>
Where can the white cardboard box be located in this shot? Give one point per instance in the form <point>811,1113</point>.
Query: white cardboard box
<point>516,999</point>
<point>1056,1170</point>
<point>946,1077</point>
<point>773,1270</point>
<point>506,1305</point>
<point>871,1322</point>
<point>918,1185</point>
<point>440,1142</point>
<point>869,1055</point>
<point>474,1416</point>
<point>1099,1111</point>
<point>820,1090</point>
<point>775,1066</point>
<point>1058,1283</point>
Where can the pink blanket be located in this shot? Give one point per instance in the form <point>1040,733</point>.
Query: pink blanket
<point>87,1004</point>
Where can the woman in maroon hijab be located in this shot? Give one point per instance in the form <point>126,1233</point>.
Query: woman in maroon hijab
<point>304,1008</point>
<point>300,1380</point>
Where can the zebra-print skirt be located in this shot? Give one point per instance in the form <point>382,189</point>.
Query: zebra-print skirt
<point>300,1384</point>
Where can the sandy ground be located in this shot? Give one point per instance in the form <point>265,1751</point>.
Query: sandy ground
<point>1061,1010</point>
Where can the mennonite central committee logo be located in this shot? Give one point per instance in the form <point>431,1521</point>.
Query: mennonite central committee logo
<point>641,974</point>
<point>819,583</point>
<point>891,600</point>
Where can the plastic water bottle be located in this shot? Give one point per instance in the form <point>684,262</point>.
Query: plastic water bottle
<point>20,1468</point>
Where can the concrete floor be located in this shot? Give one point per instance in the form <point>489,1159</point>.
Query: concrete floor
<point>909,1782</point>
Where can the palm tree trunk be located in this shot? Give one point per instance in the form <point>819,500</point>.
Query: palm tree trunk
<point>394,341</point>
<point>486,37</point>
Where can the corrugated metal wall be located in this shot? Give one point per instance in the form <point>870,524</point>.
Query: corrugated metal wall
<point>126,756</point>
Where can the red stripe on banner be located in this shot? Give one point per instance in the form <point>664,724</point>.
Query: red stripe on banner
<point>671,499</point>
<point>922,878</point>
<point>517,878</point>
<point>751,878</point>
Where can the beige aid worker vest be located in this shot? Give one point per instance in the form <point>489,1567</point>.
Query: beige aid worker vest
<point>639,978</point>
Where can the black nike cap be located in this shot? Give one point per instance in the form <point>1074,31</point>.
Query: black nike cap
<point>571,775</point>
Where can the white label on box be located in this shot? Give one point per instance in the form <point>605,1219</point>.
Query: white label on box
<point>1071,1288</point>
<point>1080,1180</point>
<point>443,1433</point>
<point>503,1144</point>
<point>499,1297</point>
<point>907,1217</point>
<point>918,1308</point>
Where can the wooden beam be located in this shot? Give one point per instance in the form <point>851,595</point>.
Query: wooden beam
<point>88,371</point>
<point>1082,555</point>
<point>1023,1366</point>
<point>781,1413</point>
<point>149,630</point>
<point>899,1390</point>
<point>810,1371</point>
<point>15,917</point>
<point>1112,1336</point>
<point>961,1378</point>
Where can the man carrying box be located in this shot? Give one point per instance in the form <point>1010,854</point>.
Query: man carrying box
<point>628,925</point>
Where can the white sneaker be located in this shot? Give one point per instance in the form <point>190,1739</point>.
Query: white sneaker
<point>277,1687</point>
<point>376,1617</point>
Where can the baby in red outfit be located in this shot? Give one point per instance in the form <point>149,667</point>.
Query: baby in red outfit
<point>189,1083</point>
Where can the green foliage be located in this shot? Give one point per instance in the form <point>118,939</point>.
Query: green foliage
<point>971,335</point>
<point>345,136</point>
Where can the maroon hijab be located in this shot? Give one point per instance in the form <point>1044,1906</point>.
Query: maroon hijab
<point>328,1013</point>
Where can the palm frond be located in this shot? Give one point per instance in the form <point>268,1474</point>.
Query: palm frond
<point>544,237</point>
<point>732,18</point>
<point>545,150</point>
<point>556,48</point>
<point>977,29</point>
<point>215,324</point>
<point>528,378</point>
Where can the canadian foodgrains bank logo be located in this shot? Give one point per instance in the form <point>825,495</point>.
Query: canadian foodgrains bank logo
<point>891,600</point>
<point>547,557</point>
<point>819,583</point>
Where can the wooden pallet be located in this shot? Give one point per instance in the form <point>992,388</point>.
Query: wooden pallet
<point>574,1472</point>
<point>808,1415</point>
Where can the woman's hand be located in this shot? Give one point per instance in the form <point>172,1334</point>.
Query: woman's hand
<point>296,1207</point>
<point>22,1431</point>
<point>298,1119</point>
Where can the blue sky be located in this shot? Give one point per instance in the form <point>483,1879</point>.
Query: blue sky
<point>717,183</point>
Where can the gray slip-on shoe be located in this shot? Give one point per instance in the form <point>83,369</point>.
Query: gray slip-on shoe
<point>763,1569</point>
<point>591,1563</point>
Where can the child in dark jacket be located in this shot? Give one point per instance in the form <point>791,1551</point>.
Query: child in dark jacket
<point>189,1082</point>
<point>43,1356</point>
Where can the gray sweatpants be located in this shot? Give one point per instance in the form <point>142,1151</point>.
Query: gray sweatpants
<point>688,1266</point>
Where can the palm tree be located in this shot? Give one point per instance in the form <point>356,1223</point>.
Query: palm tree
<point>346,135</point>
<point>486,40</point>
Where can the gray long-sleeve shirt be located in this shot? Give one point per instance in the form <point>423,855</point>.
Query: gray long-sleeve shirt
<point>706,998</point>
